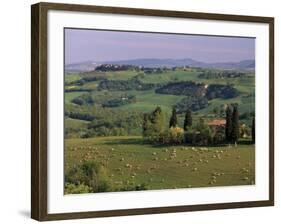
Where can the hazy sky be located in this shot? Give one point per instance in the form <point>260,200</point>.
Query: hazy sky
<point>96,45</point>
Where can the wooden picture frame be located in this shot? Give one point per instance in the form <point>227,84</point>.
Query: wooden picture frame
<point>39,109</point>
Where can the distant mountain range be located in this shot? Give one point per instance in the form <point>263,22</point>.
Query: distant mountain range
<point>154,62</point>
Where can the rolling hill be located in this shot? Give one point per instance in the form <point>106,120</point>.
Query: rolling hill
<point>166,62</point>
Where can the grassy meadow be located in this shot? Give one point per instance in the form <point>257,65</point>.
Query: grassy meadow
<point>104,132</point>
<point>130,162</point>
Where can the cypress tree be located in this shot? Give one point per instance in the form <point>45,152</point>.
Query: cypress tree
<point>157,120</point>
<point>155,114</point>
<point>145,124</point>
<point>253,130</point>
<point>201,124</point>
<point>235,125</point>
<point>173,119</point>
<point>228,124</point>
<point>187,120</point>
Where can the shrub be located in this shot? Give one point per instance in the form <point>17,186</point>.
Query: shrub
<point>71,188</point>
<point>85,99</point>
<point>200,138</point>
<point>244,131</point>
<point>103,186</point>
<point>139,187</point>
<point>88,174</point>
<point>218,135</point>
<point>201,134</point>
<point>176,135</point>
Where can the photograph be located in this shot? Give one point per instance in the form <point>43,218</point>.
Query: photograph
<point>155,111</point>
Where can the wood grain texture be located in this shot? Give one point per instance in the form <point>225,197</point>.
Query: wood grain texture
<point>38,112</point>
<point>35,192</point>
<point>39,206</point>
<point>271,111</point>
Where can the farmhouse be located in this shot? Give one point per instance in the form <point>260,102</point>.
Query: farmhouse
<point>217,123</point>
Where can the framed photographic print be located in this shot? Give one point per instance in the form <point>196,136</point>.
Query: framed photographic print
<point>139,111</point>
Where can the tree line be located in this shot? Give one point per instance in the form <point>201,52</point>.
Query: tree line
<point>221,74</point>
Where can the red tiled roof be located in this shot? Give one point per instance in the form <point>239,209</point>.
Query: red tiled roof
<point>217,122</point>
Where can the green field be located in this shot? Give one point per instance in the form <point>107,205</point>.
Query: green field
<point>72,77</point>
<point>105,126</point>
<point>129,161</point>
<point>71,95</point>
<point>146,100</point>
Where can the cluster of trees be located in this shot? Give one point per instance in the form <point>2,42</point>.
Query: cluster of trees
<point>77,89</point>
<point>196,134</point>
<point>193,89</point>
<point>106,100</point>
<point>187,88</point>
<point>153,70</point>
<point>197,94</point>
<point>114,67</point>
<point>201,134</point>
<point>119,101</point>
<point>85,99</point>
<point>191,103</point>
<point>102,121</point>
<point>159,70</point>
<point>155,129</point>
<point>116,124</point>
<point>147,70</point>
<point>91,177</point>
<point>208,74</point>
<point>221,91</point>
<point>125,85</point>
<point>84,116</point>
